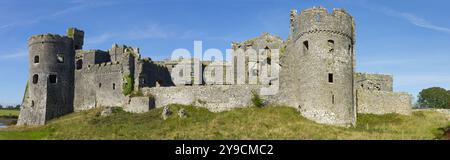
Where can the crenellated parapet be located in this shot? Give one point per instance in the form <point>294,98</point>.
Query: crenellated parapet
<point>318,20</point>
<point>48,38</point>
<point>374,82</point>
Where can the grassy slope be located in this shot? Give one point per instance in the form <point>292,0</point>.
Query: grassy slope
<point>248,123</point>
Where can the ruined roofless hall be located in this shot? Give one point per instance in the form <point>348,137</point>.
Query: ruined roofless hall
<point>316,76</point>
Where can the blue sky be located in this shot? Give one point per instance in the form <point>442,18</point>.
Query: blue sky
<point>409,39</point>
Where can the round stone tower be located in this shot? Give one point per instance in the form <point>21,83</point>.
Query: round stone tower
<point>318,66</point>
<point>51,79</point>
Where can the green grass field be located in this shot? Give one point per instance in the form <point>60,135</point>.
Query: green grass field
<point>247,123</point>
<point>9,113</point>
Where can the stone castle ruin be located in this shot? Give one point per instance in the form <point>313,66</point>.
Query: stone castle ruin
<point>316,75</point>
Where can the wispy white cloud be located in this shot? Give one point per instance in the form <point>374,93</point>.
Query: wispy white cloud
<point>12,55</point>
<point>76,6</point>
<point>415,20</point>
<point>100,38</point>
<point>149,32</point>
<point>152,31</point>
<point>411,18</point>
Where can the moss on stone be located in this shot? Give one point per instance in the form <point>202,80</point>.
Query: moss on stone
<point>128,85</point>
<point>26,93</point>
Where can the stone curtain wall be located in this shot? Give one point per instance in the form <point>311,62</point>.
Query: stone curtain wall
<point>379,82</point>
<point>99,85</point>
<point>215,98</point>
<point>381,102</point>
<point>139,104</point>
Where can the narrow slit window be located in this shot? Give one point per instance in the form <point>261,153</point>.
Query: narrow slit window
<point>332,99</point>
<point>53,79</point>
<point>349,49</point>
<point>100,85</point>
<point>330,78</point>
<point>114,86</point>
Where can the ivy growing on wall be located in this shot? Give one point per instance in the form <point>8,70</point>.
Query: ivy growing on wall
<point>128,85</point>
<point>26,93</point>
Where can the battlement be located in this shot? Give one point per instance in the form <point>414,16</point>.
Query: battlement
<point>377,82</point>
<point>91,51</point>
<point>319,20</point>
<point>102,67</point>
<point>48,38</point>
<point>374,76</point>
<point>106,64</point>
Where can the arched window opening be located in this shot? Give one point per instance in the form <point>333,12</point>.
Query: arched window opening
<point>305,46</point>
<point>36,59</point>
<point>35,79</point>
<point>79,64</point>
<point>330,46</point>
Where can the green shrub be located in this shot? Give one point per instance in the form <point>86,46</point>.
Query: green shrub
<point>256,100</point>
<point>128,84</point>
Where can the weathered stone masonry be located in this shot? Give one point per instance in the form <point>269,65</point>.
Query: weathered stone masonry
<point>317,76</point>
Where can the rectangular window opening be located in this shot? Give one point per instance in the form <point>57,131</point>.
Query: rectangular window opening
<point>330,78</point>
<point>53,79</point>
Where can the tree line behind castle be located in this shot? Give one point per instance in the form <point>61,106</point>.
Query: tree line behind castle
<point>317,76</point>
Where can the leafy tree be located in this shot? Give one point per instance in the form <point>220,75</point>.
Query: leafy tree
<point>434,97</point>
<point>1,106</point>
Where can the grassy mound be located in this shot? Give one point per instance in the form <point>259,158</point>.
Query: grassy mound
<point>246,123</point>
